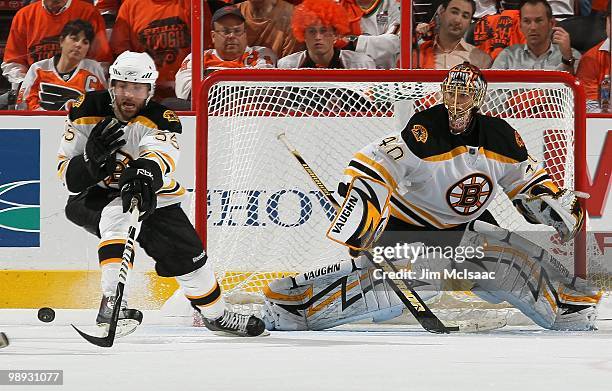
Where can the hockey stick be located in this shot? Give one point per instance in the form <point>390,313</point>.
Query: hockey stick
<point>406,294</point>
<point>126,260</point>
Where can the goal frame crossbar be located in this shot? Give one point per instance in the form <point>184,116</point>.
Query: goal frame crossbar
<point>426,76</point>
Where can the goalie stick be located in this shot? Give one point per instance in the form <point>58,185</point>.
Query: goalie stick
<point>406,294</point>
<point>126,258</point>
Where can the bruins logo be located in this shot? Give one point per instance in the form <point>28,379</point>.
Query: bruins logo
<point>469,194</point>
<point>78,101</point>
<point>171,116</point>
<point>519,140</point>
<point>420,133</point>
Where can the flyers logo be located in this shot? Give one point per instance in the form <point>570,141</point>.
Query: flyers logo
<point>420,133</point>
<point>469,194</point>
<point>519,140</point>
<point>171,116</point>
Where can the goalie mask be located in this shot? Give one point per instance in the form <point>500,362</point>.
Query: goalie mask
<point>463,93</point>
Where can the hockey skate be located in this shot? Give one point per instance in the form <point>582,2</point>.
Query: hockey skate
<point>233,324</point>
<point>129,319</point>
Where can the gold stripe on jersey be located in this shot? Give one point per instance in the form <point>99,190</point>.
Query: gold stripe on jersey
<point>377,167</point>
<point>165,161</point>
<point>172,189</point>
<point>144,121</point>
<point>404,217</point>
<point>61,166</point>
<point>496,156</point>
<point>87,120</point>
<point>421,213</point>
<point>447,155</point>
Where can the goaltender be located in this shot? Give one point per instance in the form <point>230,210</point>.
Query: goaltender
<point>390,198</point>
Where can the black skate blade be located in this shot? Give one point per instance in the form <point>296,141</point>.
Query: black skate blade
<point>221,333</point>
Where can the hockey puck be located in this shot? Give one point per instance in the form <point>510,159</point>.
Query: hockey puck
<point>46,314</point>
<point>3,340</point>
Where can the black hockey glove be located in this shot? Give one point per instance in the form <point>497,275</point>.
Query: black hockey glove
<point>103,142</point>
<point>141,179</point>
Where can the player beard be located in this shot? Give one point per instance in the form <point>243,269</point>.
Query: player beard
<point>127,108</point>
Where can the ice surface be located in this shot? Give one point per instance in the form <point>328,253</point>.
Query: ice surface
<point>165,355</point>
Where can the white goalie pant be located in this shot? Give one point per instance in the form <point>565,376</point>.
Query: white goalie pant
<point>349,291</point>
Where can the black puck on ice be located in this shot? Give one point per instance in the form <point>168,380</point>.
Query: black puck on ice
<point>46,314</point>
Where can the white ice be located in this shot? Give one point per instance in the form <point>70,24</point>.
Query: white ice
<point>164,355</point>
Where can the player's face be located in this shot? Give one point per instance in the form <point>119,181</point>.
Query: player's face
<point>229,37</point>
<point>55,5</point>
<point>129,98</point>
<point>75,47</point>
<point>455,20</point>
<point>535,25</point>
<point>319,39</point>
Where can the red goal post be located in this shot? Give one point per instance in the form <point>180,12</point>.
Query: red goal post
<point>234,103</point>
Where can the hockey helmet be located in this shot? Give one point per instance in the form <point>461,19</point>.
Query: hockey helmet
<point>136,68</point>
<point>463,91</point>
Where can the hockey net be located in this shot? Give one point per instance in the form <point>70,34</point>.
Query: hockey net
<point>261,215</point>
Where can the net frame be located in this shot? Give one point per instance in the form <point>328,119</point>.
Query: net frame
<point>339,76</point>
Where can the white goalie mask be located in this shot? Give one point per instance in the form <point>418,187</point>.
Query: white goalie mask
<point>463,91</point>
<point>136,68</point>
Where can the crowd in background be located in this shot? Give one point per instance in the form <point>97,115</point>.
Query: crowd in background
<point>59,49</point>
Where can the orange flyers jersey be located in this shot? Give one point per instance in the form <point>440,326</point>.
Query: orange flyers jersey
<point>441,180</point>
<point>493,33</point>
<point>256,57</point>
<point>44,89</point>
<point>34,34</point>
<point>160,28</point>
<point>151,135</point>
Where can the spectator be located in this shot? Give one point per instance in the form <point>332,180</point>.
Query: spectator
<point>268,24</point>
<point>159,27</point>
<point>230,50</point>
<point>547,47</point>
<point>377,33</point>
<point>493,33</point>
<point>51,83</point>
<point>318,23</point>
<point>594,66</point>
<point>448,48</point>
<point>35,31</point>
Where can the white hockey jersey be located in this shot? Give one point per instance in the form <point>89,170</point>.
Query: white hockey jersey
<point>380,33</point>
<point>441,180</point>
<point>150,135</point>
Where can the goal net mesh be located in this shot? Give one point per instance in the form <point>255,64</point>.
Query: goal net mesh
<point>265,217</point>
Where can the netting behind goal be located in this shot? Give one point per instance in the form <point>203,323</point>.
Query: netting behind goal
<point>261,214</point>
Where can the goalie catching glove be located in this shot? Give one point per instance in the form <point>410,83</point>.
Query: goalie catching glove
<point>560,210</point>
<point>141,179</point>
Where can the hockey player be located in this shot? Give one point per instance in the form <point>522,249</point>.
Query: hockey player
<point>468,156</point>
<point>119,144</point>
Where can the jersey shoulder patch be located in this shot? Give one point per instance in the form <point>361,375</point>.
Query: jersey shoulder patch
<point>427,133</point>
<point>162,117</point>
<point>91,104</point>
<point>502,139</point>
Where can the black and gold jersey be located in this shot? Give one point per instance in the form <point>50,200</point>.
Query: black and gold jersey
<point>441,180</point>
<point>150,135</point>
